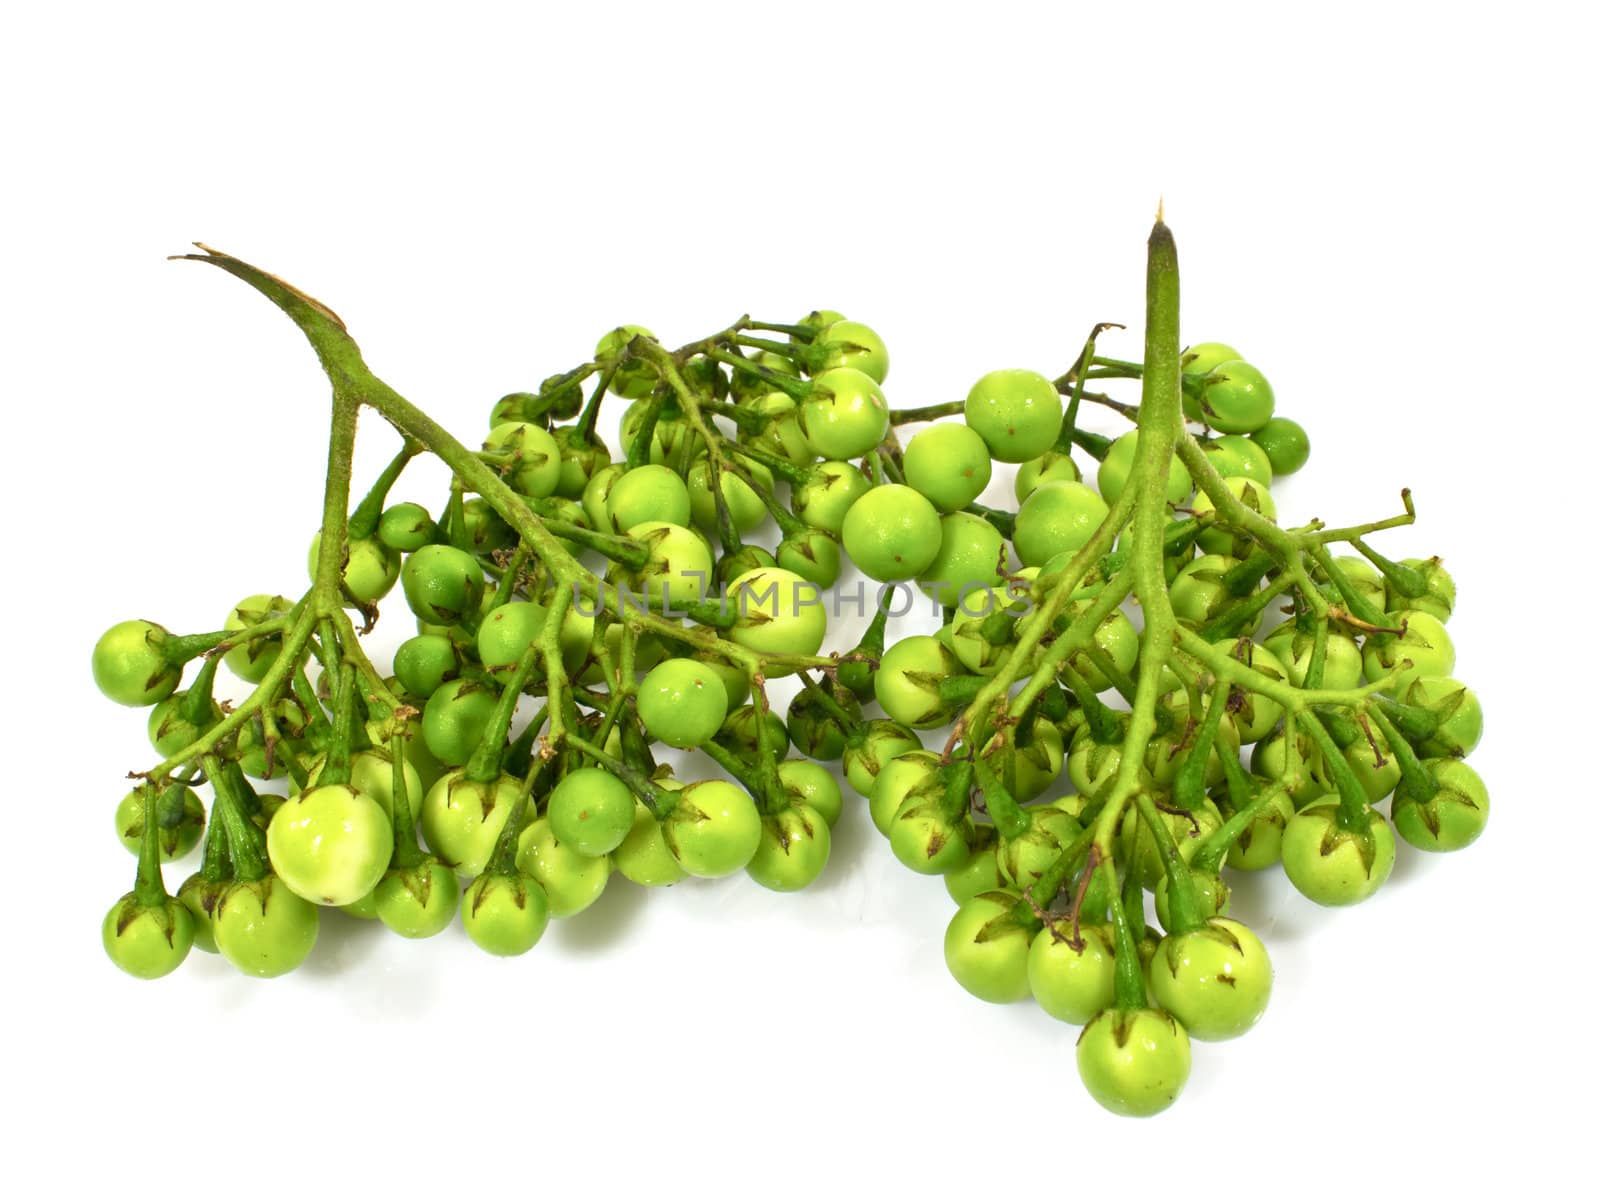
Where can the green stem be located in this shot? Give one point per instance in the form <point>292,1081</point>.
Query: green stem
<point>149,889</point>
<point>180,650</point>
<point>364,520</point>
<point>246,842</point>
<point>1183,904</point>
<point>1129,978</point>
<point>1234,616</point>
<point>407,854</point>
<point>1010,819</point>
<point>1189,784</point>
<point>950,408</point>
<point>1415,780</point>
<point>1405,580</point>
<point>216,865</point>
<point>199,701</point>
<point>658,802</point>
<point>1353,810</point>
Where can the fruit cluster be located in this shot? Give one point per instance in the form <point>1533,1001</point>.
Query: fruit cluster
<point>576,613</point>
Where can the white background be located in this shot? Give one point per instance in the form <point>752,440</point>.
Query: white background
<point>1388,208</point>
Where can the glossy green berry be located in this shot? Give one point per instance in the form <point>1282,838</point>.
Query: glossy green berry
<point>596,498</point>
<point>1015,411</point>
<point>131,666</point>
<point>818,319</point>
<point>1375,769</point>
<point>985,626</point>
<point>1214,981</point>
<point>892,533</point>
<point>406,528</point>
<point>794,847</point>
<point>713,829</point>
<point>1071,977</point>
<point>1024,859</point>
<point>200,895</point>
<point>251,660</point>
<point>1234,456</point>
<point>900,777</point>
<point>1438,598</point>
<point>330,844</point>
<point>1056,518</point>
<point>262,928</point>
<point>455,718</point>
<point>747,386</point>
<point>571,881</point>
<point>1255,715</point>
<point>505,635</point>
<point>1050,467</point>
<point>487,533</point>
<point>828,493</point>
<point>1342,664</point>
<point>980,872</point>
<point>372,773</point>
<point>907,683</point>
<point>1422,641</point>
<point>1210,893</point>
<point>813,554</point>
<point>986,948</point>
<point>1117,465</point>
<point>644,857</point>
<point>462,818</point>
<point>649,492</point>
<point>1134,1062</point>
<point>1285,443</point>
<point>181,823</point>
<point>1449,820</point>
<point>972,557</point>
<point>778,611</point>
<point>1330,865</point>
<point>581,457</point>
<point>1202,357</point>
<point>949,464</point>
<point>815,786</point>
<point>678,569</point>
<point>732,566</point>
<point>370,568</point>
<point>783,435</point>
<point>591,811</point>
<point>147,941</point>
<point>925,836</point>
<point>742,730</point>
<point>846,414</point>
<point>682,702</point>
<point>853,345</point>
<point>1237,398</point>
<point>745,507</point>
<point>1261,844</point>
<point>418,902</point>
<point>504,915</point>
<point>1198,593</point>
<point>1460,714</point>
<point>635,377</point>
<point>528,455</point>
<point>169,732</point>
<point>813,725</point>
<point>424,663</point>
<point>443,585</point>
<point>864,759</point>
<point>1118,641</point>
<point>1038,760</point>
